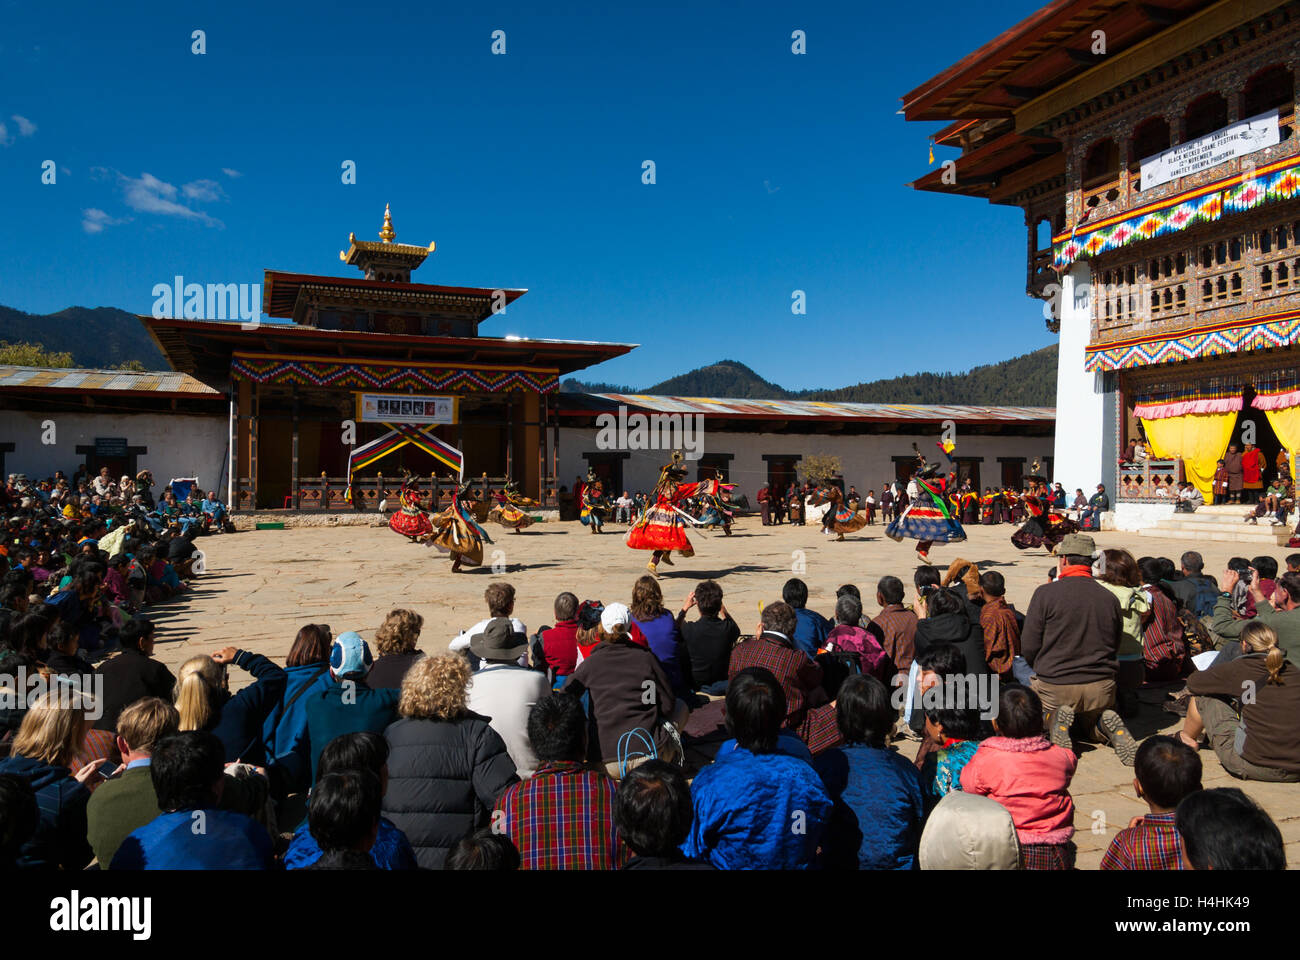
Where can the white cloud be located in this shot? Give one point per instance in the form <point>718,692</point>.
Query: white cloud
<point>148,194</point>
<point>204,191</point>
<point>94,220</point>
<point>5,139</point>
<point>231,173</point>
<point>25,127</point>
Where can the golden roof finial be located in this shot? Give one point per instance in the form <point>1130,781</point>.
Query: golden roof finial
<point>388,234</point>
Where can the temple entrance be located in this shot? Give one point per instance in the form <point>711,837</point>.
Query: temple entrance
<point>1249,421</point>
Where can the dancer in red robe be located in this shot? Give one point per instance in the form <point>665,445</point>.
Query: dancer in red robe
<point>662,528</point>
<point>410,520</point>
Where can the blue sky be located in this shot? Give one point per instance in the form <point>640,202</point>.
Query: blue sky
<point>774,172</point>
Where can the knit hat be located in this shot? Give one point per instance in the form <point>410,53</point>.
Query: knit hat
<point>349,655</point>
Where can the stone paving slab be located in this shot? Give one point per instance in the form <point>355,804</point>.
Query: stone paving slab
<point>261,586</point>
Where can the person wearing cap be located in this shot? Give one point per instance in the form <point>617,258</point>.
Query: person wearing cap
<point>1071,640</point>
<point>505,692</point>
<point>348,705</point>
<point>629,691</point>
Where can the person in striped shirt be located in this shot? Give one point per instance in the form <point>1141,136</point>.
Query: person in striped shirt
<point>1166,770</point>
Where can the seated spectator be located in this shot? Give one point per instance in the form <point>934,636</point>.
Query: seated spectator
<point>343,816</point>
<point>810,714</point>
<point>1246,708</point>
<point>192,832</point>
<point>999,625</point>
<point>367,752</point>
<point>204,701</point>
<point>1029,776</point>
<point>500,598</point>
<point>756,809</point>
<point>1166,770</point>
<point>396,641</point>
<point>1118,572</point>
<point>847,637</point>
<point>505,692</point>
<point>127,801</point>
<point>348,704</point>
<point>133,674</point>
<point>629,691</point>
<point>709,639</point>
<point>1282,613</point>
<point>446,765</point>
<point>1223,829</point>
<point>484,850</point>
<point>879,809</point>
<point>653,812</point>
<point>897,624</point>
<point>1164,650</point>
<point>950,725</point>
<point>51,733</point>
<point>660,630</point>
<point>19,817</point>
<point>284,731</point>
<point>969,832</point>
<point>560,642</point>
<point>944,618</point>
<point>64,658</point>
<point>810,626</point>
<point>562,817</point>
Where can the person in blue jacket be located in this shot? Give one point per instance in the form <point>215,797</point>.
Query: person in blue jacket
<point>204,701</point>
<point>356,751</point>
<point>756,809</point>
<point>284,732</point>
<point>811,627</point>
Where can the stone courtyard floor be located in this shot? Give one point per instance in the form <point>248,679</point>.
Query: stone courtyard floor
<point>260,586</point>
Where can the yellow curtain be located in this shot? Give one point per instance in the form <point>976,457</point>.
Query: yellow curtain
<point>1200,439</point>
<point>1286,424</point>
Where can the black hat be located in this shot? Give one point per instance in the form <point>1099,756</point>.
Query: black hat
<point>498,641</point>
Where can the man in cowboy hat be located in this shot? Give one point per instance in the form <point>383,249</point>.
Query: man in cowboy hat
<point>505,692</point>
<point>1070,638</point>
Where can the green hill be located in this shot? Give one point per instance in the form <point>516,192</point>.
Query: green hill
<point>1028,380</point>
<point>102,337</point>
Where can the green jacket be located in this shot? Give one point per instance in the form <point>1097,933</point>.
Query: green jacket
<point>118,807</point>
<point>1285,622</point>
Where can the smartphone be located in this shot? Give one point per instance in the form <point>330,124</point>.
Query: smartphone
<point>108,770</point>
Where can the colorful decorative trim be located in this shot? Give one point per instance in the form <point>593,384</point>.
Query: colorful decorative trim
<point>1260,333</point>
<point>399,435</point>
<point>395,375</point>
<point>1161,411</point>
<point>1235,194</point>
<point>1276,401</point>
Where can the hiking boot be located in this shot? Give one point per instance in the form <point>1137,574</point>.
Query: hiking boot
<point>1113,729</point>
<point>1058,726</point>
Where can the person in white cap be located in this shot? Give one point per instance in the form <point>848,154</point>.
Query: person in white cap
<point>629,692</point>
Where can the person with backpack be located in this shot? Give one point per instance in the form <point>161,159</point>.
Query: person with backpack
<point>1195,590</point>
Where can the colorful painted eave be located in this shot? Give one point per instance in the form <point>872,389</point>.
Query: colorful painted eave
<point>394,375</point>
<point>1259,333</point>
<point>1235,194</point>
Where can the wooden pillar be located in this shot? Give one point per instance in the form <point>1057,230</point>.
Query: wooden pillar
<point>293,469</point>
<point>256,410</point>
<point>533,476</point>
<point>244,442</point>
<point>510,435</point>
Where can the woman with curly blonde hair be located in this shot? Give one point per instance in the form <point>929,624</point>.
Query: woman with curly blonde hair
<point>446,765</point>
<point>395,641</point>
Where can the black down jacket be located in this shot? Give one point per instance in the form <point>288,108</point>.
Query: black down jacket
<point>444,777</point>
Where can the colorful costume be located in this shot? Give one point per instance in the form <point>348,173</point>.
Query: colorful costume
<point>457,532</point>
<point>509,511</point>
<point>662,527</point>
<point>594,507</point>
<point>718,512</point>
<point>927,518</point>
<point>410,521</point>
<point>1045,526</point>
<point>841,517</point>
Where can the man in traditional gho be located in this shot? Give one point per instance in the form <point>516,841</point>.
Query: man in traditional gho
<point>410,520</point>
<point>455,530</point>
<point>927,518</point>
<point>970,507</point>
<point>842,517</point>
<point>662,528</point>
<point>988,507</point>
<point>594,507</point>
<point>510,507</point>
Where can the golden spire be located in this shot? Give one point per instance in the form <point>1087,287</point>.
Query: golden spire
<point>388,234</point>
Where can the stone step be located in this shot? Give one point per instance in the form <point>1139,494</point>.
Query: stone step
<point>1220,533</point>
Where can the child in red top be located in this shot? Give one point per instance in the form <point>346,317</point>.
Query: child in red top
<point>1029,776</point>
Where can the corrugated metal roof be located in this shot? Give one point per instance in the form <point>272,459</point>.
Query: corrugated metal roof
<point>126,381</point>
<point>810,409</point>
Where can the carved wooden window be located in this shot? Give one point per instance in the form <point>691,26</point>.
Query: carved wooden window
<point>1205,115</point>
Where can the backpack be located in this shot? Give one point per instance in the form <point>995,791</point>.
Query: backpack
<point>1207,594</point>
